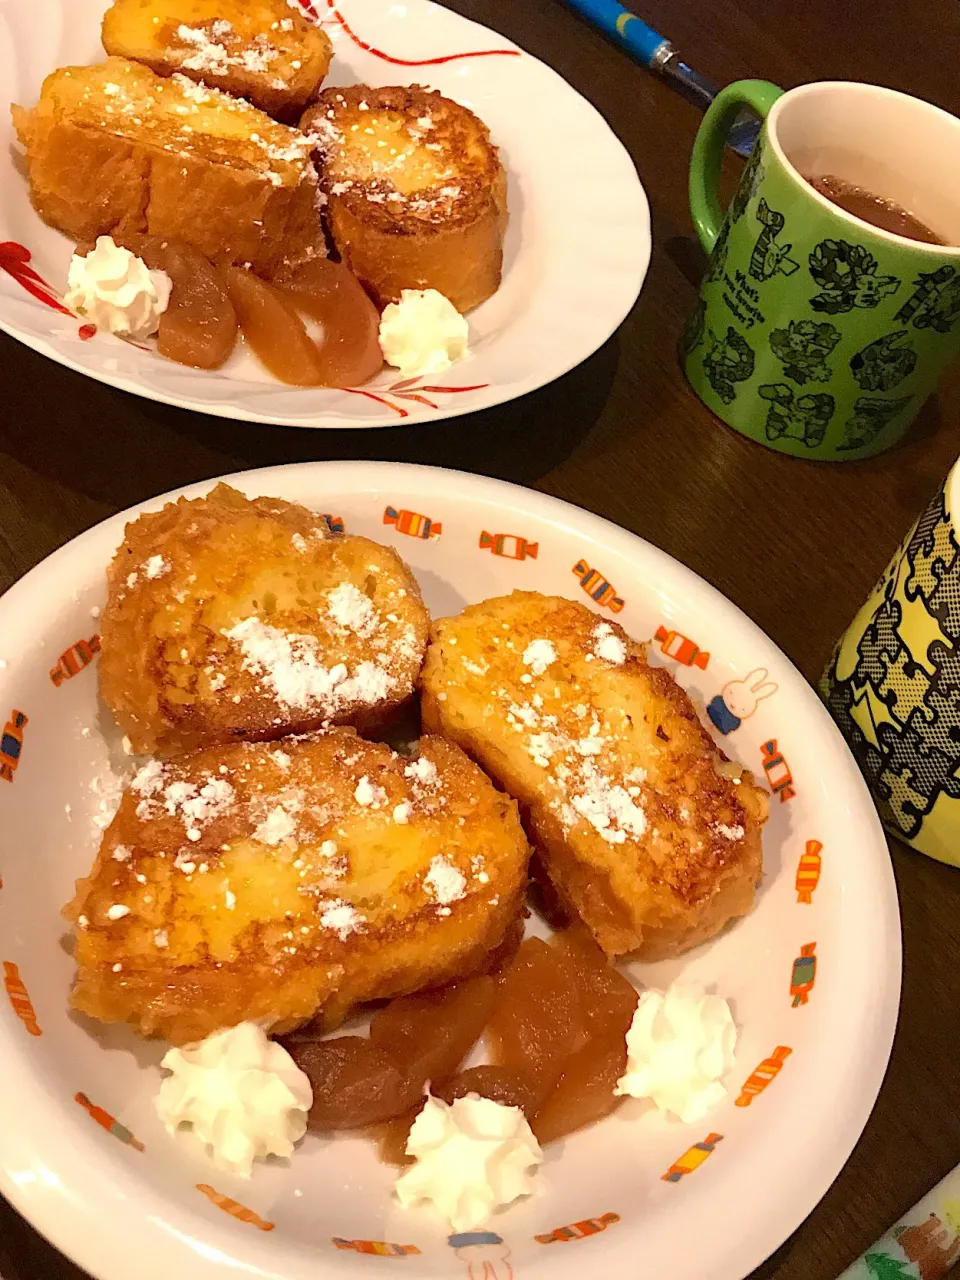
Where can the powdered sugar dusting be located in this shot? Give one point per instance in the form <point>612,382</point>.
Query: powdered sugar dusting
<point>217,49</point>
<point>353,610</point>
<point>107,791</point>
<point>543,746</point>
<point>290,667</point>
<point>444,882</point>
<point>607,644</point>
<point>155,567</point>
<point>203,52</point>
<point>608,807</point>
<point>728,833</point>
<point>538,655</point>
<point>341,918</point>
<point>197,805</point>
<point>149,779</point>
<point>368,794</point>
<point>276,827</point>
<point>196,93</point>
<point>201,805</point>
<point>422,769</point>
<point>277,816</point>
<point>585,779</point>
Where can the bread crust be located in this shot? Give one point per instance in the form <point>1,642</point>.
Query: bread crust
<point>645,830</point>
<point>114,149</point>
<point>428,208</point>
<point>300,890</point>
<point>261,50</point>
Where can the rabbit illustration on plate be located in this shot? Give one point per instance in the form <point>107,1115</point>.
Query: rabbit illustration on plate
<point>738,699</point>
<point>484,1252</point>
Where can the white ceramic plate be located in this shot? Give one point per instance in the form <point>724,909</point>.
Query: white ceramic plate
<point>576,253</point>
<point>117,1210</point>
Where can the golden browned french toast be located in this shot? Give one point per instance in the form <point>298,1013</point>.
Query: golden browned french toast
<point>116,150</point>
<point>416,193</point>
<point>644,828</point>
<point>270,881</point>
<point>231,619</point>
<point>262,50</point>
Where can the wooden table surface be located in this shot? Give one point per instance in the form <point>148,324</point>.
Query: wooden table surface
<point>797,545</point>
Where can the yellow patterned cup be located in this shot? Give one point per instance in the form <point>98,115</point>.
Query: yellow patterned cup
<point>893,683</point>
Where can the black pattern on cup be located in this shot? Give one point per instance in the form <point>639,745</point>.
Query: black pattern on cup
<point>804,418</point>
<point>847,276</point>
<point>803,348</point>
<point>728,360</point>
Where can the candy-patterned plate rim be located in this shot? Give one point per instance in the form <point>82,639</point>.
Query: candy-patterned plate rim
<point>576,253</point>
<point>78,1187</point>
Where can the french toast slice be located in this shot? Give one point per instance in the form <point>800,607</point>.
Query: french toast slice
<point>261,50</point>
<point>644,828</point>
<point>273,881</point>
<point>114,149</point>
<point>416,194</point>
<point>229,618</point>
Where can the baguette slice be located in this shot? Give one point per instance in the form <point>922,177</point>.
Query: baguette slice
<point>277,881</point>
<point>228,618</point>
<point>416,193</point>
<point>114,149</point>
<point>261,50</point>
<point>644,829</point>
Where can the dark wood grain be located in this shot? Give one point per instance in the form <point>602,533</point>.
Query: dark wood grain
<point>796,545</point>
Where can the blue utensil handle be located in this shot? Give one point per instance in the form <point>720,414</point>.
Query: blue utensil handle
<point>623,26</point>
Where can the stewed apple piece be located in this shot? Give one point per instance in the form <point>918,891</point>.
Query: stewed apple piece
<point>271,317</point>
<point>199,326</point>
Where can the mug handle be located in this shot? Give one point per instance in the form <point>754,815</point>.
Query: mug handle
<point>759,95</point>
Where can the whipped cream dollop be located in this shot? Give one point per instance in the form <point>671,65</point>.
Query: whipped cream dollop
<point>679,1047</point>
<point>472,1155</point>
<point>116,290</point>
<point>244,1095</point>
<point>422,333</point>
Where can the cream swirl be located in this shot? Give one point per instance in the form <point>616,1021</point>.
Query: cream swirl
<point>679,1046</point>
<point>115,290</point>
<point>244,1095</point>
<point>473,1156</point>
<point>422,333</point>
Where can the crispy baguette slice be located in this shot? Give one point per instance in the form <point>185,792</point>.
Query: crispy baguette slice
<point>228,618</point>
<point>276,881</point>
<point>114,150</point>
<point>644,829</point>
<point>416,193</point>
<point>261,50</point>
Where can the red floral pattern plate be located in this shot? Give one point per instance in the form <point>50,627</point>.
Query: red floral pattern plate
<point>575,256</point>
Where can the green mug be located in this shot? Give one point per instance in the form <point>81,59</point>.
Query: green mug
<point>817,333</point>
